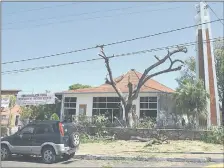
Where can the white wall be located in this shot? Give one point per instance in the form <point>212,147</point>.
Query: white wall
<point>88,100</point>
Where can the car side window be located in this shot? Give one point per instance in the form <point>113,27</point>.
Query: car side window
<point>27,130</point>
<point>43,129</point>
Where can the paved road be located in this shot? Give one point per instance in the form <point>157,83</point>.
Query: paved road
<point>36,162</point>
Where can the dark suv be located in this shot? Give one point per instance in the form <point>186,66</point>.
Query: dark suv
<point>49,139</point>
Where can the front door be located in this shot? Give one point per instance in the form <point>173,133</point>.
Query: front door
<point>22,141</point>
<point>82,109</point>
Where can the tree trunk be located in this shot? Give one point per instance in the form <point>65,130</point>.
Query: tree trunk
<point>128,115</point>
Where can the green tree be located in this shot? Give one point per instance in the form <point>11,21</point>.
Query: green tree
<point>188,72</point>
<point>219,55</point>
<point>78,86</point>
<point>40,112</point>
<point>26,112</point>
<point>191,99</point>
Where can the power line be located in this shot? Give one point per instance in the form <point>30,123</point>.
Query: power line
<point>36,9</point>
<point>95,59</point>
<point>109,44</point>
<point>80,14</point>
<point>215,14</point>
<point>92,18</point>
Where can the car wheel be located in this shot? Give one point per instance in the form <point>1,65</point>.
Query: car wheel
<point>48,155</point>
<point>5,152</point>
<point>74,139</point>
<point>67,156</point>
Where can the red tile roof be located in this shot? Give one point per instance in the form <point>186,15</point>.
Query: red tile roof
<point>122,81</point>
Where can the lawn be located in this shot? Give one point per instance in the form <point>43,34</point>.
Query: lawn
<point>132,148</point>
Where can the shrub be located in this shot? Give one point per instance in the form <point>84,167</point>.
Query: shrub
<point>84,121</point>
<point>100,122</point>
<point>214,135</point>
<point>147,122</point>
<point>54,117</point>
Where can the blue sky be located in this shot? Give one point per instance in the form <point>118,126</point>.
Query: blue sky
<point>33,29</point>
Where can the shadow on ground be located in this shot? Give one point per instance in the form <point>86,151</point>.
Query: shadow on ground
<point>34,159</point>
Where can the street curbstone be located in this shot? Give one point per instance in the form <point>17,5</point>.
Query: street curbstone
<point>105,157</point>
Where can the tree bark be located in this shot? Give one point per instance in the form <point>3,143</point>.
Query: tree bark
<point>128,115</point>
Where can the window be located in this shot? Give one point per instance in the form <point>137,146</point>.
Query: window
<point>70,107</point>
<point>70,102</point>
<point>43,129</point>
<point>27,130</point>
<point>108,106</point>
<point>148,107</point>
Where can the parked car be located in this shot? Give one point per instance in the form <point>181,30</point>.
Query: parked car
<point>49,139</point>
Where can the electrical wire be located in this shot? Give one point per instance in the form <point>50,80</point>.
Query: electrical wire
<point>109,44</point>
<point>36,9</point>
<point>114,56</point>
<point>80,14</point>
<point>215,14</point>
<point>92,18</point>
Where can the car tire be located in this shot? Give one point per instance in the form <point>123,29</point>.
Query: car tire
<point>5,152</point>
<point>67,156</point>
<point>74,140</point>
<point>48,155</point>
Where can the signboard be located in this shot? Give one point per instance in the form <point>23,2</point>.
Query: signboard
<point>5,102</point>
<point>35,99</point>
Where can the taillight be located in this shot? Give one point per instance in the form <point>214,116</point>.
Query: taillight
<point>61,129</point>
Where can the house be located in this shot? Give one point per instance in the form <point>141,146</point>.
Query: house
<point>104,100</point>
<point>6,111</point>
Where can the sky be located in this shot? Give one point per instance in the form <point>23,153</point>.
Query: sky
<point>35,29</point>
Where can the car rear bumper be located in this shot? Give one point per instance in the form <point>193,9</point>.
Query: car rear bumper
<point>60,149</point>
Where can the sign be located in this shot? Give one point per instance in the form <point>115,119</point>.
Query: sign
<point>5,102</point>
<point>35,99</point>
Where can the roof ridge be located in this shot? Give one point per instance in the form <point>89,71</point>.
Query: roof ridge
<point>154,81</point>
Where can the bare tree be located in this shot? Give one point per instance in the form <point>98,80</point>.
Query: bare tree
<point>133,92</point>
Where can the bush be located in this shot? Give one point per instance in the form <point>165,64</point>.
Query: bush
<point>84,121</point>
<point>147,122</point>
<point>54,117</point>
<point>100,121</point>
<point>3,131</point>
<point>214,135</point>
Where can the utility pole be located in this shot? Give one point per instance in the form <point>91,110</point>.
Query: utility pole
<point>205,63</point>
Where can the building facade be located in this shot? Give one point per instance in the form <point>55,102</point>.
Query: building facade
<point>105,101</point>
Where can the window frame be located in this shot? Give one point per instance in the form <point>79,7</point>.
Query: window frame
<point>21,131</point>
<point>146,101</point>
<point>106,104</point>
<point>43,126</point>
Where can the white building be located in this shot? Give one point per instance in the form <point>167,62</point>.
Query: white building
<point>102,99</point>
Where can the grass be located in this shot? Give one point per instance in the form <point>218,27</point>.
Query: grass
<point>131,148</point>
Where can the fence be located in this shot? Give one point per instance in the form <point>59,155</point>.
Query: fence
<point>146,123</point>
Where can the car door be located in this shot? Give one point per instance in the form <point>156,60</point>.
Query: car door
<point>22,140</point>
<point>43,133</point>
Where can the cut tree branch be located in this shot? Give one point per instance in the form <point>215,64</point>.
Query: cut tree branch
<point>111,80</point>
<point>130,88</point>
<point>145,76</point>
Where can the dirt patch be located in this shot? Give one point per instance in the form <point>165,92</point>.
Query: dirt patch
<point>173,149</point>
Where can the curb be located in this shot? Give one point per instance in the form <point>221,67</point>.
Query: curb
<point>105,157</point>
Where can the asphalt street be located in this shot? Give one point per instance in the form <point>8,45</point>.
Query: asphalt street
<point>36,162</point>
